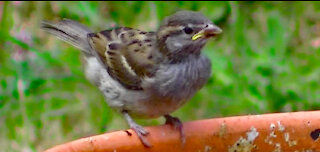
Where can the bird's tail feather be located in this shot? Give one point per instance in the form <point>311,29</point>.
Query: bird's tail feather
<point>70,31</point>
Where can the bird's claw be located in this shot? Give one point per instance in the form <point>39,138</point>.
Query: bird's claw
<point>140,129</point>
<point>177,124</point>
<point>141,133</point>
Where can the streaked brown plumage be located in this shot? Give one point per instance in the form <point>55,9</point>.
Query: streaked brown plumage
<point>128,53</point>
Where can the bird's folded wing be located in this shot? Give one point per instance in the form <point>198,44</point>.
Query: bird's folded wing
<point>128,54</point>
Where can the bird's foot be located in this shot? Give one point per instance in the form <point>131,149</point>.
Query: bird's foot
<point>177,124</point>
<point>140,131</point>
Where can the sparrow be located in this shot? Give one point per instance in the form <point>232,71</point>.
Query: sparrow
<point>144,74</point>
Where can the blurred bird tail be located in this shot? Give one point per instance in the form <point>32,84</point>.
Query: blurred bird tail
<point>70,31</point>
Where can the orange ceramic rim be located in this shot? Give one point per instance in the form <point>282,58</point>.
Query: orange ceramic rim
<point>280,132</point>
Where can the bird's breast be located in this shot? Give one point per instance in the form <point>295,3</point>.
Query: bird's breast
<point>174,84</point>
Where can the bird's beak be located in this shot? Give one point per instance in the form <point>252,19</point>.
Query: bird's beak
<point>209,31</point>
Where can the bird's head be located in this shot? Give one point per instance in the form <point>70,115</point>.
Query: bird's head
<point>185,33</point>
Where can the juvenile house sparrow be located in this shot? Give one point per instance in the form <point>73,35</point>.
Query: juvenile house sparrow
<point>144,74</point>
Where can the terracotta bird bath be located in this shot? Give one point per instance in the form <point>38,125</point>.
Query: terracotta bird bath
<point>279,132</point>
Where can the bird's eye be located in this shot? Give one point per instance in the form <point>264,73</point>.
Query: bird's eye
<point>188,30</point>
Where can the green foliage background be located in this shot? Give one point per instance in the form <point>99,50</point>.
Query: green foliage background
<point>267,60</point>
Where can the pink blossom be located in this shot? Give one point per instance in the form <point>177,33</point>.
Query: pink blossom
<point>316,42</point>
<point>17,3</point>
<point>20,53</point>
<point>1,10</point>
<point>113,25</point>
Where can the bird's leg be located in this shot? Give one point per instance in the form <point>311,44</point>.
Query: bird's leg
<point>140,131</point>
<point>177,124</point>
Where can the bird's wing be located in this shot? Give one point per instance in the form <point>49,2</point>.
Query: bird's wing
<point>128,54</point>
